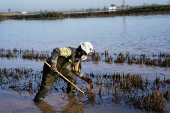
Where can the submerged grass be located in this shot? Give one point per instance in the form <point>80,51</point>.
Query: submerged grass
<point>25,54</point>
<point>161,59</point>
<point>116,88</point>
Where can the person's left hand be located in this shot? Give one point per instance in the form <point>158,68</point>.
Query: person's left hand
<point>89,80</point>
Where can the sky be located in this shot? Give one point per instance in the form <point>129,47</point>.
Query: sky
<point>57,5</point>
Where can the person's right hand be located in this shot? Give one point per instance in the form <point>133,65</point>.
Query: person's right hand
<point>53,69</point>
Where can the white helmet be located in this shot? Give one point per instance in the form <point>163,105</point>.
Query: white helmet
<point>87,47</point>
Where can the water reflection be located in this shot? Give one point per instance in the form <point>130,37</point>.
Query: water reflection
<point>73,105</point>
<point>44,107</point>
<point>124,24</point>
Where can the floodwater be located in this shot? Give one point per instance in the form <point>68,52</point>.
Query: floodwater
<point>134,34</point>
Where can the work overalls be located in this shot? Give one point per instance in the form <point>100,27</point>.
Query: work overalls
<point>49,77</point>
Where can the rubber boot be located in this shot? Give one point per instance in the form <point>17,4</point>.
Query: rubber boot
<point>41,95</point>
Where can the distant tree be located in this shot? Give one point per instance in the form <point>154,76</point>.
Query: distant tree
<point>9,10</point>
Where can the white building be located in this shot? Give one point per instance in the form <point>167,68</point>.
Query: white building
<point>24,12</point>
<point>113,7</point>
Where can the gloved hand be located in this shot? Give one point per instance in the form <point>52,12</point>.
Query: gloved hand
<point>89,80</point>
<point>53,69</point>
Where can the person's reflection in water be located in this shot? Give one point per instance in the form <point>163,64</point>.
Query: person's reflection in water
<point>77,105</point>
<point>72,106</point>
<point>44,107</point>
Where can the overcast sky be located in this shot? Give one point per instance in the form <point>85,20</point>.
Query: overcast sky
<point>56,5</point>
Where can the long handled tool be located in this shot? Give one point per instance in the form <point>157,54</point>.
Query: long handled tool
<point>64,78</point>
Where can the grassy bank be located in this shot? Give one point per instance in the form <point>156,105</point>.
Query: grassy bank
<point>59,15</point>
<point>1,17</point>
<point>132,11</point>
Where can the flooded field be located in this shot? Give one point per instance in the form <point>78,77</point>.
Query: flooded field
<point>130,66</point>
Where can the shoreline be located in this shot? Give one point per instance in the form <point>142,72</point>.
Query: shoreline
<point>152,10</point>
